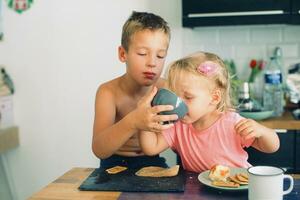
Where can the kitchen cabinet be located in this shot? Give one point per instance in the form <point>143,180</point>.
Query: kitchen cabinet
<point>297,152</point>
<point>285,157</point>
<point>295,18</point>
<point>288,155</point>
<point>232,12</point>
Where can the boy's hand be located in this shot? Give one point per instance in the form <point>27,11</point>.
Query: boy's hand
<point>147,118</point>
<point>249,128</point>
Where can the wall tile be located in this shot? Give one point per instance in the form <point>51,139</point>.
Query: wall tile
<point>243,69</point>
<point>266,34</point>
<point>224,51</point>
<point>250,51</point>
<point>289,50</point>
<point>231,36</point>
<point>291,34</point>
<point>200,35</point>
<point>289,62</point>
<point>190,48</point>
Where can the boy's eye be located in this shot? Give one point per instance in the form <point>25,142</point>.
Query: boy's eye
<point>141,54</point>
<point>188,97</point>
<point>160,57</point>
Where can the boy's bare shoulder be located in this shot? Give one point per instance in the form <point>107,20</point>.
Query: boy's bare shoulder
<point>108,88</point>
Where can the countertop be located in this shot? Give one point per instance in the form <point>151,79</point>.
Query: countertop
<point>286,121</point>
<point>66,187</point>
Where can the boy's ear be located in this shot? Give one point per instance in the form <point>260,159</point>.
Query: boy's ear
<point>122,54</point>
<point>216,96</point>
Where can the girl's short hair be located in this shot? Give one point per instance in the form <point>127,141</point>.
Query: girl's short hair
<point>139,21</point>
<point>191,63</point>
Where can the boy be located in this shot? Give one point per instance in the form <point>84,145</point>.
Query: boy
<point>123,105</point>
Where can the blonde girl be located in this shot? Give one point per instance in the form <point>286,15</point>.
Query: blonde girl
<point>211,132</point>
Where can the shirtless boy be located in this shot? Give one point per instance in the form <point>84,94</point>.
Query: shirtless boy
<point>123,105</point>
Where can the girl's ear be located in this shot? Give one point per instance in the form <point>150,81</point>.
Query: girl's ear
<point>216,96</point>
<point>122,54</point>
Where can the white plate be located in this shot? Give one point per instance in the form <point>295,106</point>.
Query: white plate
<point>257,115</point>
<point>203,178</point>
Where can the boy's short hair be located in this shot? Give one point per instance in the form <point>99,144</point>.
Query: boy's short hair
<point>139,21</point>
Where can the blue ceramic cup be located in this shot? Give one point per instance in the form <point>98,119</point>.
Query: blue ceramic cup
<point>167,97</point>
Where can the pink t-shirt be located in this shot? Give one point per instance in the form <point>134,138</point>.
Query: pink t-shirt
<point>218,144</point>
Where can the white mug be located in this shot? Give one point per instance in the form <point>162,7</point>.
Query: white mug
<point>266,183</point>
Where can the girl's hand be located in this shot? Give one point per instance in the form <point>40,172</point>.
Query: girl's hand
<point>146,117</point>
<point>249,128</point>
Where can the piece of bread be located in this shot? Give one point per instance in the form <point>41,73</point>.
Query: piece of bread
<point>154,171</point>
<point>219,173</point>
<point>115,169</point>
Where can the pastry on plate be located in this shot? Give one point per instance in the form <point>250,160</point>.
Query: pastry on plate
<point>219,173</point>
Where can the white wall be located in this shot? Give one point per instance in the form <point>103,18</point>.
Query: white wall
<point>4,187</point>
<point>59,51</point>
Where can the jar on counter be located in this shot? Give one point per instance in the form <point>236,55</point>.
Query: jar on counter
<point>244,100</point>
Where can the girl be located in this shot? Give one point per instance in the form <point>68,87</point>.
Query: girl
<point>211,133</point>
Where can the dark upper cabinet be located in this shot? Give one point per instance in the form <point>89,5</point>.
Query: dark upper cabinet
<point>242,12</point>
<point>295,6</point>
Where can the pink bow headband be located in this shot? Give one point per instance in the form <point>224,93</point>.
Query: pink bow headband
<point>207,68</point>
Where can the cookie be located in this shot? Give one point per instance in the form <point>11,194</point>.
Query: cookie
<point>116,169</point>
<point>245,175</point>
<point>225,184</point>
<point>241,178</point>
<point>236,180</point>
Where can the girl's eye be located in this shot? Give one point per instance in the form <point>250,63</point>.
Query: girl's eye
<point>161,57</point>
<point>141,54</point>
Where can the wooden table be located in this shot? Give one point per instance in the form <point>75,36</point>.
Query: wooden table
<point>66,186</point>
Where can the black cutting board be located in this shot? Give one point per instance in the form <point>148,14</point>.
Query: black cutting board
<point>127,181</point>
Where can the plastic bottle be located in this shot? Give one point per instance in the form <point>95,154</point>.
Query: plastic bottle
<point>279,58</point>
<point>273,96</point>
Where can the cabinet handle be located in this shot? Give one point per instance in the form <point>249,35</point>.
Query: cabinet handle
<point>228,14</point>
<point>280,130</point>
